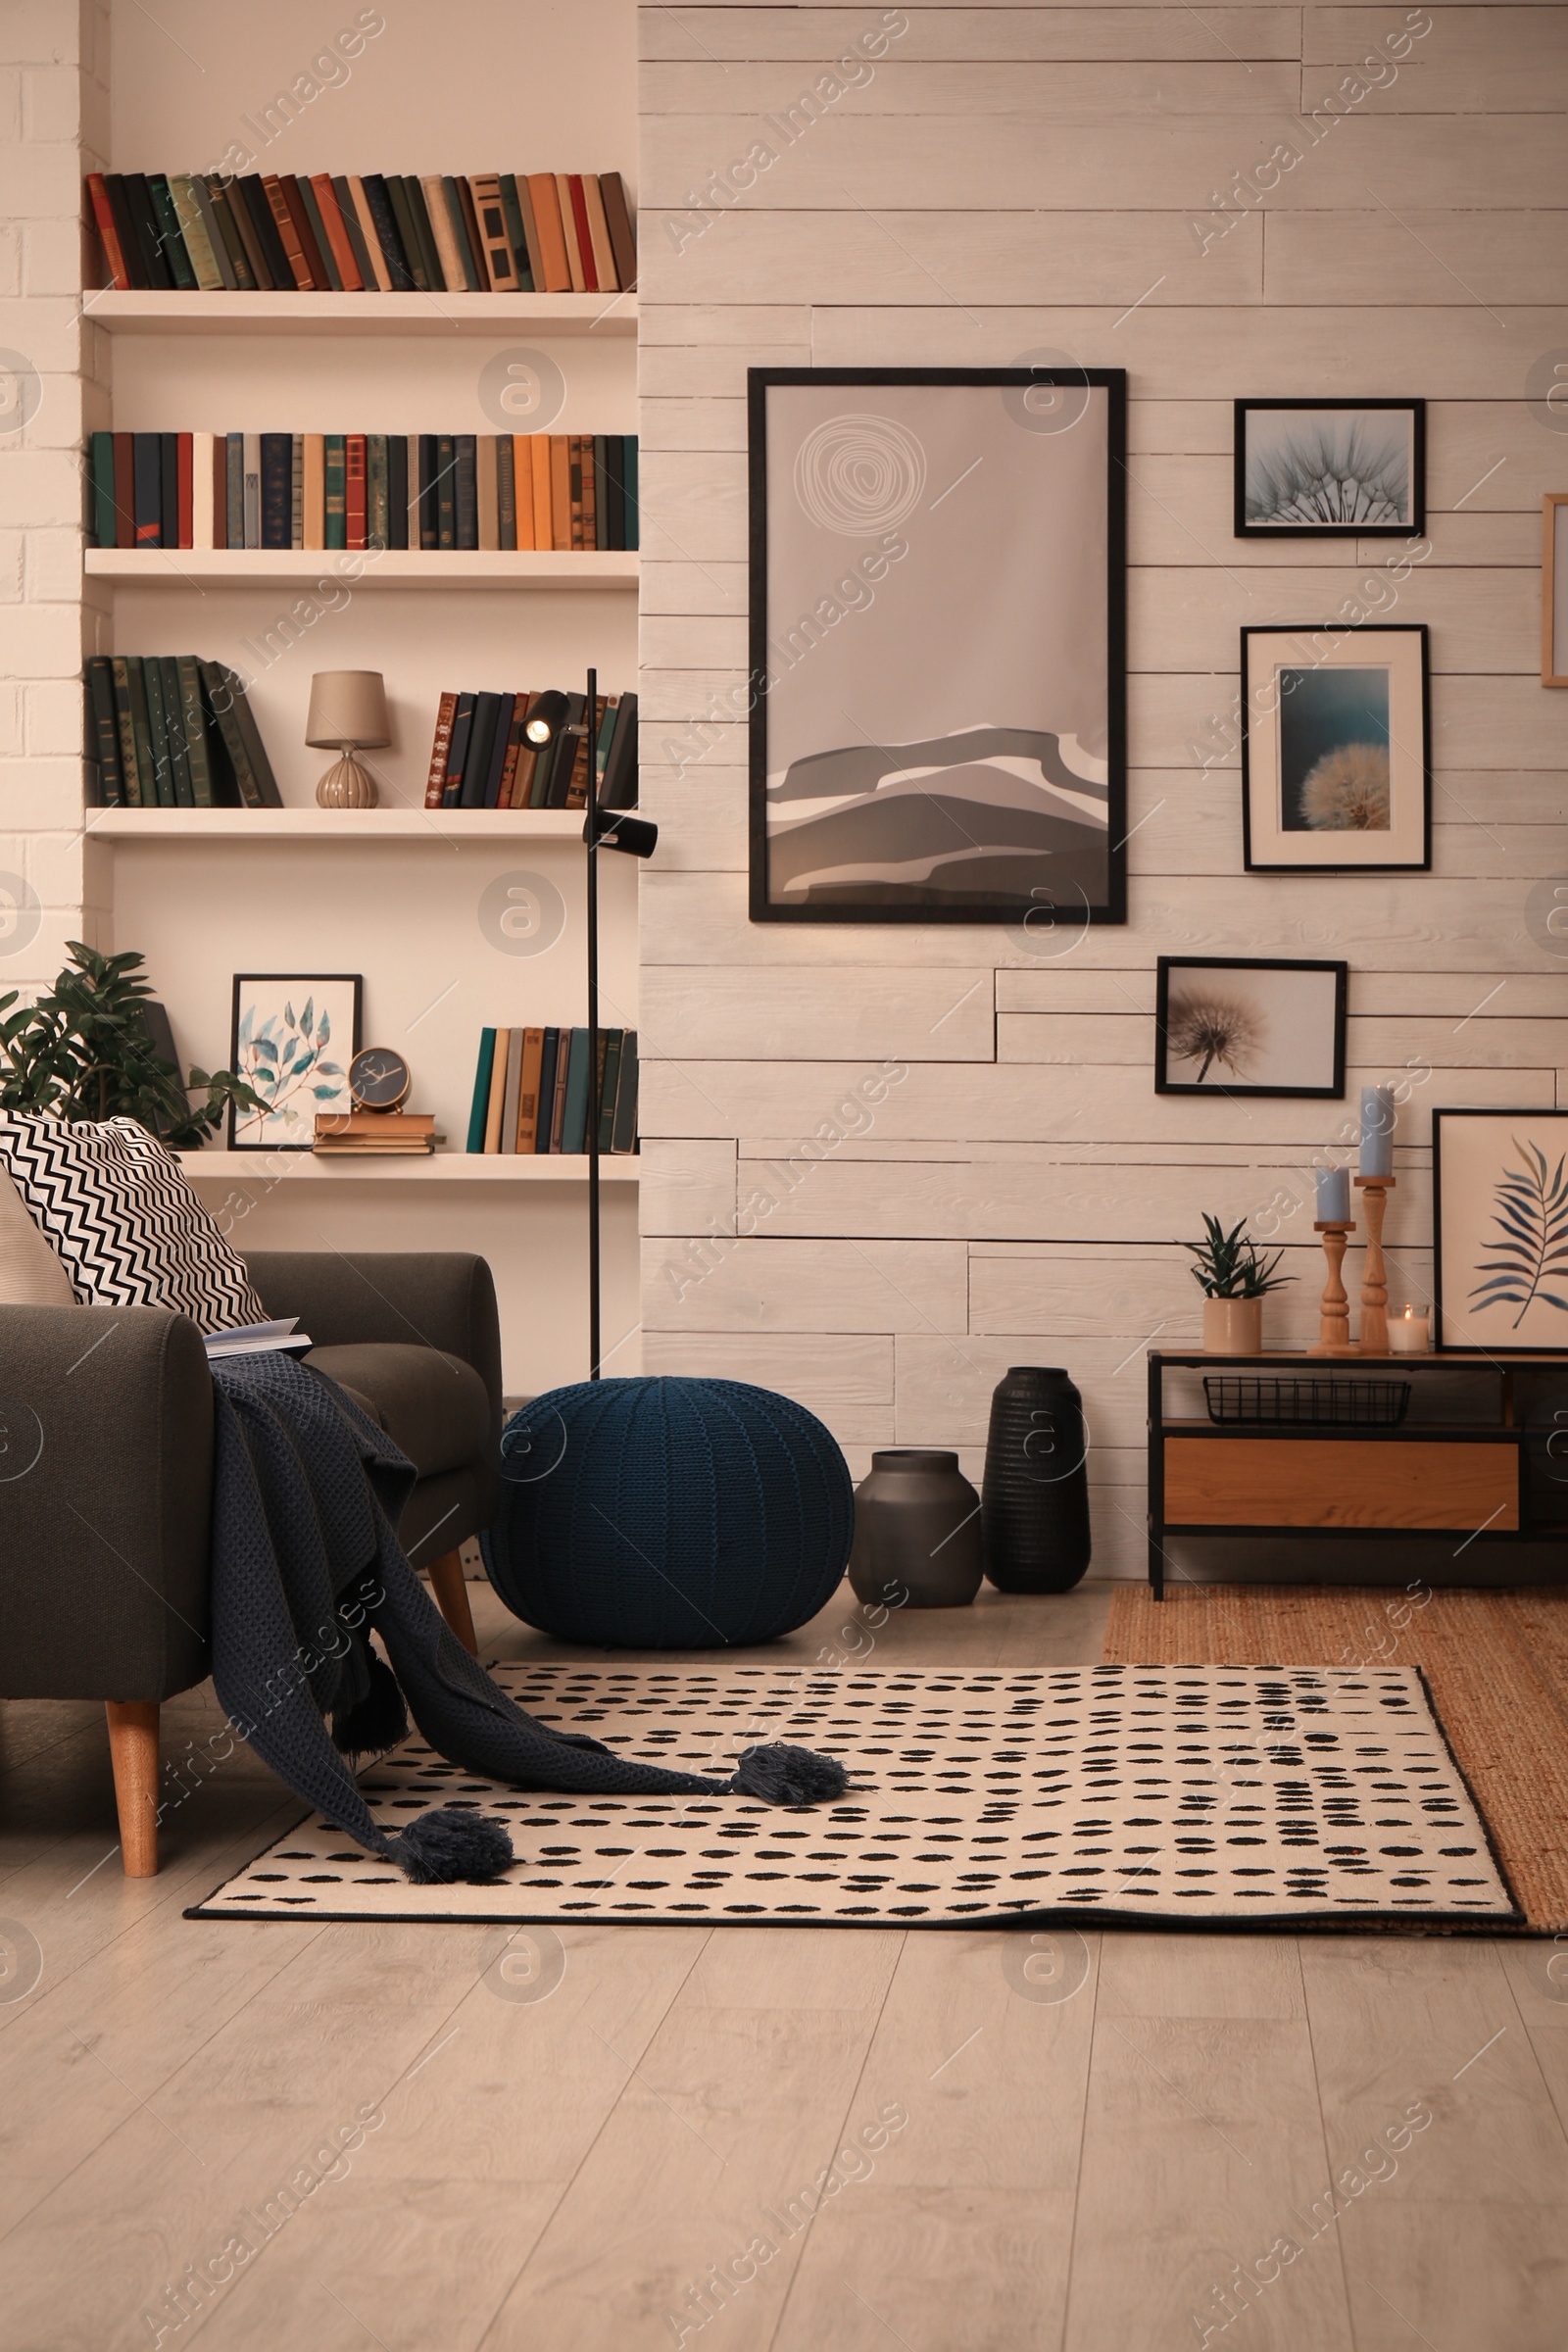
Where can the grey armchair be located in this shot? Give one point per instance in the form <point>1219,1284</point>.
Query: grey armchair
<point>106,1474</point>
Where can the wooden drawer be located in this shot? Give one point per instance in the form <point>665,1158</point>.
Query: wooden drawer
<point>1340,1481</point>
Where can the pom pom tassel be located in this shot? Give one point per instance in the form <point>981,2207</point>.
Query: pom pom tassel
<point>446,1844</point>
<point>781,1775</point>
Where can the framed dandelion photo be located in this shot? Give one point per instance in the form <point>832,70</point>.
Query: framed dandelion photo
<point>1331,469</point>
<point>294,1036</point>
<point>1335,770</point>
<point>1499,1205</point>
<point>1249,1026</point>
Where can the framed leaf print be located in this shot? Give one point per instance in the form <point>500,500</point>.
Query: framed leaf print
<point>1500,1182</point>
<point>294,1036</point>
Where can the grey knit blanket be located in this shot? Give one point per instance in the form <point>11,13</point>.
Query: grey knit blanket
<point>306,1564</point>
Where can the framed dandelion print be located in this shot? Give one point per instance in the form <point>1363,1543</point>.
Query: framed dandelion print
<point>1249,1026</point>
<point>936,670</point>
<point>1335,772</point>
<point>1499,1205</point>
<point>294,1036</point>
<point>1330,468</point>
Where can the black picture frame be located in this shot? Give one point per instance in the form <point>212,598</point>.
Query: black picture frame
<point>297,982</point>
<point>1412,528</point>
<point>1443,1287</point>
<point>1231,1085</point>
<point>1072,383</point>
<point>1320,644</point>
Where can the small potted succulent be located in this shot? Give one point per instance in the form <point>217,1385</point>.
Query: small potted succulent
<point>1234,1281</point>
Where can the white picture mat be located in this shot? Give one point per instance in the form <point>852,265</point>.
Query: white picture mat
<point>1399,653</point>
<point>1294,1020</point>
<point>1473,1153</point>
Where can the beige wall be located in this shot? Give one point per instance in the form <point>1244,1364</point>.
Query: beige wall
<point>1004,180</point>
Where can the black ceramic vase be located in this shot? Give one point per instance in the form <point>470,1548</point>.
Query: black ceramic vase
<point>916,1532</point>
<point>1035,1507</point>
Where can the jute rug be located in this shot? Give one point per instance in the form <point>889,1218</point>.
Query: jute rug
<point>1497,1664</point>
<point>978,1797</point>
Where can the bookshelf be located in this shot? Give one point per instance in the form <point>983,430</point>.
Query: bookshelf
<point>397,894</point>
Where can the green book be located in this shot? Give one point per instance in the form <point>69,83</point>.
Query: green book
<point>424,235</point>
<point>175,731</point>
<point>446,495</point>
<point>103,731</point>
<point>614,1041</point>
<point>130,763</point>
<point>414,251</point>
<point>574,1119</point>
<point>220,704</point>
<point>516,236</point>
<point>193,229</point>
<point>481,1089</point>
<point>222,208</point>
<point>377,492</point>
<point>261,768</point>
<point>152,683</point>
<point>506,490</point>
<point>101,463</point>
<point>194,724</point>
<point>337,494</point>
<point>626,1137</point>
<point>629,476</point>
<point>146,758</point>
<point>170,243</point>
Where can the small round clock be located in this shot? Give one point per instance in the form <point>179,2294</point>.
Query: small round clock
<point>378,1078</point>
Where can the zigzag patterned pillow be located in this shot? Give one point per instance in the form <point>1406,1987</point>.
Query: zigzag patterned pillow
<point>116,1208</point>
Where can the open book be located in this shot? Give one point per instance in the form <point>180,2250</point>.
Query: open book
<point>258,1338</point>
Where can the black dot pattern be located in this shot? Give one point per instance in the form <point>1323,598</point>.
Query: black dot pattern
<point>977,1795</point>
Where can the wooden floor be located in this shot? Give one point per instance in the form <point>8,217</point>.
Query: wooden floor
<point>1081,2169</point>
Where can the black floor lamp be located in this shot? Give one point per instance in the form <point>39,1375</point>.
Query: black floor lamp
<point>635,836</point>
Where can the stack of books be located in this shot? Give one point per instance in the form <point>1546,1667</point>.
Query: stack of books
<point>371,1134</point>
<point>531,1091</point>
<point>492,232</point>
<point>481,757</point>
<point>431,491</point>
<point>172,732</point>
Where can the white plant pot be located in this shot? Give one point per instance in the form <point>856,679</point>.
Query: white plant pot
<point>1233,1326</point>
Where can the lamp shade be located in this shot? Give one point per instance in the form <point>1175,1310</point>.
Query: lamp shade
<point>347,705</point>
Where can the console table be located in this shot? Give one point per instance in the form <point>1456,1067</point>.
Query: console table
<point>1426,1477</point>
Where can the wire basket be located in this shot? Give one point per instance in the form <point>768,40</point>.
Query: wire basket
<point>1307,1403</point>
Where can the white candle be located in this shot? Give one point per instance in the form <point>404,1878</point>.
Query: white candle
<point>1410,1334</point>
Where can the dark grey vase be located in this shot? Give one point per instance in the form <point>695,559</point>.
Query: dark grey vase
<point>916,1531</point>
<point>1035,1512</point>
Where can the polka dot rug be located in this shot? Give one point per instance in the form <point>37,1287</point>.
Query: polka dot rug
<point>1176,1794</point>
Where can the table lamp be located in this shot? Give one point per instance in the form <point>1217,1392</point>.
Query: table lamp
<point>348,713</point>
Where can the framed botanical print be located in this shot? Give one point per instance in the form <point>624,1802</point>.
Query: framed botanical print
<point>1330,468</point>
<point>1555,589</point>
<point>1335,768</point>
<point>1249,1026</point>
<point>294,1034</point>
<point>1499,1205</point>
<point>937,626</point>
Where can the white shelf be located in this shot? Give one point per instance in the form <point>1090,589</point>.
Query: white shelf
<point>441,1167</point>
<point>443,826</point>
<point>394,567</point>
<point>142,312</point>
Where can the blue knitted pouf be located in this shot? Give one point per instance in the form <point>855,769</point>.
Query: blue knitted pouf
<point>669,1515</point>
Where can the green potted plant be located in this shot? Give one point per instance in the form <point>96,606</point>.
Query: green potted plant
<point>1234,1281</point>
<point>84,1052</point>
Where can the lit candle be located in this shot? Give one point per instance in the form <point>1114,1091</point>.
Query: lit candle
<point>1410,1334</point>
<point>1333,1196</point>
<point>1377,1131</point>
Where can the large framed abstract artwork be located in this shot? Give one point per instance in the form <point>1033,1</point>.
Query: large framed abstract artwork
<point>937,645</point>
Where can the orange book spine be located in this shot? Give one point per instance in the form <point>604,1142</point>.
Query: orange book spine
<point>544,529</point>
<point>552,238</point>
<point>435,781</point>
<point>108,234</point>
<point>337,236</point>
<point>586,242</point>
<point>293,250</point>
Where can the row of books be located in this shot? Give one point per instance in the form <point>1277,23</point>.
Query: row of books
<point>172,732</point>
<point>492,232</point>
<point>481,757</point>
<point>531,1091</point>
<point>431,491</point>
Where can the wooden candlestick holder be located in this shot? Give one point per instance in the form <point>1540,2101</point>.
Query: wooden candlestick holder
<point>1374,1277</point>
<point>1334,1308</point>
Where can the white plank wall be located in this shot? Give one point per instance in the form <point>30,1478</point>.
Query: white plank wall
<point>883,1164</point>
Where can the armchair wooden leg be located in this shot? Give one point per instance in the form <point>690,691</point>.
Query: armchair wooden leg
<point>452,1598</point>
<point>133,1751</point>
